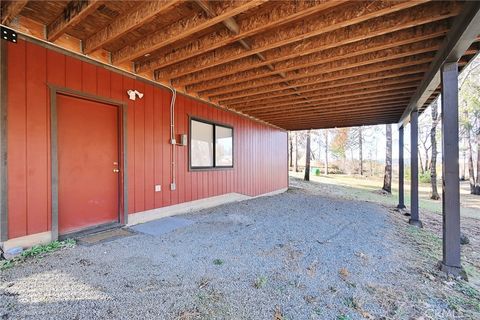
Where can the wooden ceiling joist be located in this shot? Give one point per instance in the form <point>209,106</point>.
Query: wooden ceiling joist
<point>11,9</point>
<point>339,119</point>
<point>319,89</point>
<point>259,77</point>
<point>380,107</point>
<point>317,76</point>
<point>74,13</point>
<point>284,13</point>
<point>130,21</point>
<point>331,98</point>
<point>293,64</point>
<point>182,29</point>
<point>290,60</point>
<point>336,31</point>
<point>312,105</point>
<point>345,92</point>
<point>412,70</point>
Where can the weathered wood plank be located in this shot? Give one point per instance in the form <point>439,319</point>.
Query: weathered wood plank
<point>353,101</point>
<point>74,13</point>
<point>302,78</point>
<point>285,12</point>
<point>247,68</point>
<point>315,88</point>
<point>128,22</point>
<point>11,9</point>
<point>182,29</point>
<point>311,67</point>
<point>329,83</point>
<point>338,18</point>
<point>384,91</point>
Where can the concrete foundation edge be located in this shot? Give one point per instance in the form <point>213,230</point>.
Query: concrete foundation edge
<point>145,216</point>
<point>192,206</point>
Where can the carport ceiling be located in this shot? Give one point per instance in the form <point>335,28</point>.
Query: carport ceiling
<point>293,64</point>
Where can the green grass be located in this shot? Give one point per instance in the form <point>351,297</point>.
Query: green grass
<point>354,187</point>
<point>260,282</point>
<point>37,251</point>
<point>218,262</point>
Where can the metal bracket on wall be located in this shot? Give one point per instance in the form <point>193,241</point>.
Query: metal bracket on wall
<point>8,34</point>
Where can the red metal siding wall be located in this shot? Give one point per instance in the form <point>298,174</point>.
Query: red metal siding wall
<point>260,155</point>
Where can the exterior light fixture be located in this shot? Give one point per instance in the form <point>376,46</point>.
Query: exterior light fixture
<point>132,94</point>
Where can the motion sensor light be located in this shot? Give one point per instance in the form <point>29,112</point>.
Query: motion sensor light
<point>132,94</point>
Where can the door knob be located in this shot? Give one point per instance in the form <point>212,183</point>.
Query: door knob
<point>116,170</point>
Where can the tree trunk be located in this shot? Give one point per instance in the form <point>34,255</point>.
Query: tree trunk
<point>471,173</point>
<point>296,152</point>
<point>307,158</point>
<point>420,160</point>
<point>291,149</point>
<point>477,180</point>
<point>433,162</point>
<point>360,147</point>
<point>326,151</point>
<point>387,178</point>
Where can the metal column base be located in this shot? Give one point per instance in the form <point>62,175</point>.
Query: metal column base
<point>401,206</point>
<point>456,272</point>
<point>416,223</point>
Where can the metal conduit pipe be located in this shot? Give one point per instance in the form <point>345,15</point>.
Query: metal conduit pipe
<point>173,142</point>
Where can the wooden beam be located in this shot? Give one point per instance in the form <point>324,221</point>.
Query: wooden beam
<point>229,23</point>
<point>285,12</point>
<point>330,99</point>
<point>11,9</point>
<point>183,28</point>
<point>258,77</point>
<point>337,28</point>
<point>316,81</point>
<point>318,75</point>
<point>396,112</point>
<point>297,115</point>
<point>465,30</point>
<point>341,121</point>
<point>234,28</point>
<point>129,21</point>
<point>285,60</point>
<point>338,93</point>
<point>74,13</point>
<point>314,89</point>
<point>339,124</point>
<point>309,105</point>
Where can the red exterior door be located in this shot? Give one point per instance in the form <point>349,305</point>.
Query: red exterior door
<point>88,163</point>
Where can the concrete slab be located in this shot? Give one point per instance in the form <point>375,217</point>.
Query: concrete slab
<point>162,226</point>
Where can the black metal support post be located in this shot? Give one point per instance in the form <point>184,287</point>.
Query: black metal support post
<point>451,262</point>
<point>414,218</point>
<point>401,174</point>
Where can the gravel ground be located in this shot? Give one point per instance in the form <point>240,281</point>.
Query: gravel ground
<point>298,255</point>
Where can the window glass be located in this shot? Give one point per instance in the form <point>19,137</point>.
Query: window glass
<point>201,152</point>
<point>223,146</point>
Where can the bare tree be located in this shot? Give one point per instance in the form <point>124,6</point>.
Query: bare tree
<point>326,151</point>
<point>360,148</point>
<point>433,163</point>
<point>297,154</point>
<point>471,173</point>
<point>291,148</point>
<point>387,178</point>
<point>307,158</point>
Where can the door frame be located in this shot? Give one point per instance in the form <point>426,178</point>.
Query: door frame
<point>122,149</point>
